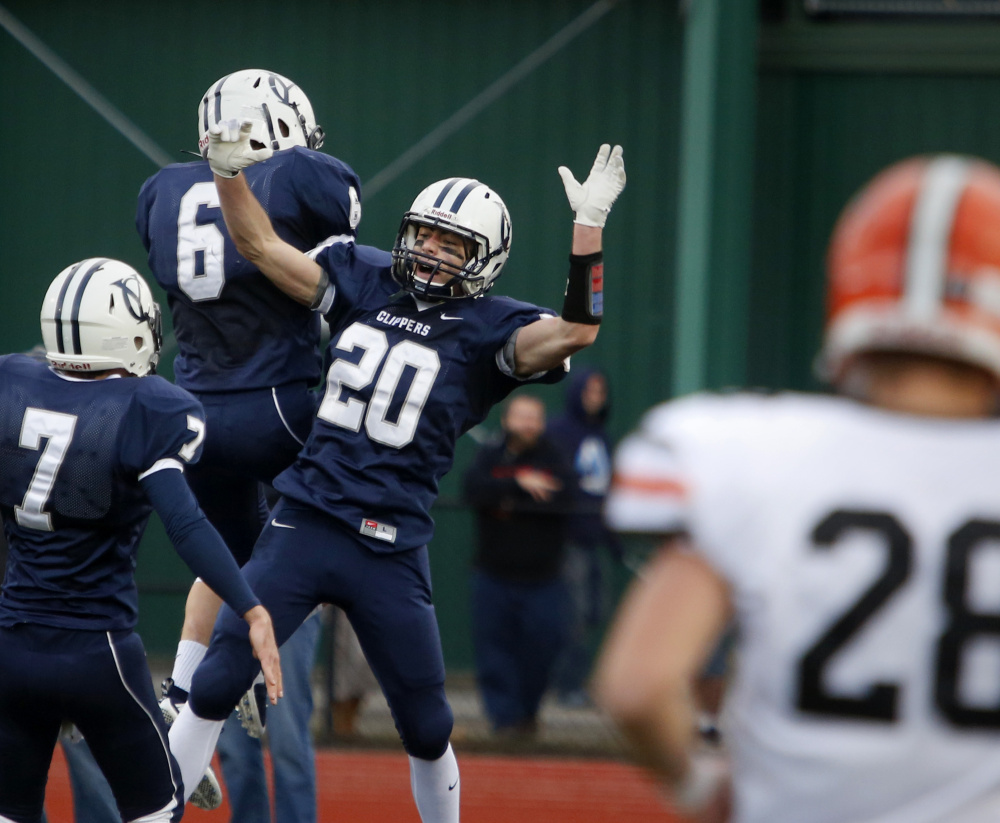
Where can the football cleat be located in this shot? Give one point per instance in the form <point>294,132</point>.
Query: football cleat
<point>208,794</point>
<point>252,710</point>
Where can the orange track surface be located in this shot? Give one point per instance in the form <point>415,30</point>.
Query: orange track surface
<point>374,787</point>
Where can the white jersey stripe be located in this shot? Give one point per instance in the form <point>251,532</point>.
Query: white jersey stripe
<point>163,463</point>
<point>930,234</point>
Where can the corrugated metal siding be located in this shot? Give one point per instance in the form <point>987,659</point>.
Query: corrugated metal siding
<point>821,136</point>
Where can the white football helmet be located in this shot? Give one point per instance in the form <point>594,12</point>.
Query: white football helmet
<point>281,113</point>
<point>99,314</point>
<point>468,208</point>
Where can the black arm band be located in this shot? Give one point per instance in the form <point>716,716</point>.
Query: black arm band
<point>584,301</point>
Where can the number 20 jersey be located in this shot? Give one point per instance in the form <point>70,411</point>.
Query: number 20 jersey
<point>406,380</point>
<point>862,552</point>
<point>235,329</point>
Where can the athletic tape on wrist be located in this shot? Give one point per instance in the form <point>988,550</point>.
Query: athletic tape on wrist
<point>584,301</point>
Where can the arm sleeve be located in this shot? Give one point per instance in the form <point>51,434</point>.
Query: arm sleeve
<point>196,540</point>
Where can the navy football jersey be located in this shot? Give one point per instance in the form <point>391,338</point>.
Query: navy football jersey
<point>71,453</point>
<point>236,330</point>
<point>406,379</point>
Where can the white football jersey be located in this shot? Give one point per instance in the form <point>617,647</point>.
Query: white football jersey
<point>862,549</point>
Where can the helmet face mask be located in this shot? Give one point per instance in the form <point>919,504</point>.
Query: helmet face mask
<point>463,207</point>
<point>281,114</point>
<point>99,314</point>
<point>914,267</point>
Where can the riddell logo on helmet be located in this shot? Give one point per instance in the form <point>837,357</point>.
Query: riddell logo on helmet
<point>447,215</point>
<point>203,142</point>
<point>71,366</point>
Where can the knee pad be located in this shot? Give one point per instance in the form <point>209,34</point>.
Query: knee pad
<point>425,724</point>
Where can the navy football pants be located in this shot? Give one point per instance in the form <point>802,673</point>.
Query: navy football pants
<point>99,681</point>
<point>309,559</point>
<point>250,438</point>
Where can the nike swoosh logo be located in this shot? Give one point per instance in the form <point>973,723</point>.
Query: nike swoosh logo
<point>448,317</point>
<point>281,525</point>
<point>453,785</point>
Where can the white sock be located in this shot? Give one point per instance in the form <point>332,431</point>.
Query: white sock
<point>436,787</point>
<point>189,654</point>
<point>192,742</point>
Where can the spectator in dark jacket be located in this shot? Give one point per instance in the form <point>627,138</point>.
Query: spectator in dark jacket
<point>521,489</point>
<point>582,434</point>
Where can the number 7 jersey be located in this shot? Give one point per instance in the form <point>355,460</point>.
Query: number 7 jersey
<point>862,552</point>
<point>72,452</point>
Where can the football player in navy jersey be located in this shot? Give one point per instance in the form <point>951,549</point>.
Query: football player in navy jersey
<point>86,453</point>
<point>419,353</point>
<point>250,354</point>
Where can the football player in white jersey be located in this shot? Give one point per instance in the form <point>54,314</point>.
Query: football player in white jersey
<point>854,537</point>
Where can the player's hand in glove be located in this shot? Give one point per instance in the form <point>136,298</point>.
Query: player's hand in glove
<point>591,201</point>
<point>229,148</point>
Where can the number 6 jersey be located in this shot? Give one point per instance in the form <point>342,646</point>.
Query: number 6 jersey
<point>862,551</point>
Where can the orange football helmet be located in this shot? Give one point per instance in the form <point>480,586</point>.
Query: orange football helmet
<point>914,265</point>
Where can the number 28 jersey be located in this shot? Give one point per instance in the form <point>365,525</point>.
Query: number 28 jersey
<point>406,379</point>
<point>862,551</point>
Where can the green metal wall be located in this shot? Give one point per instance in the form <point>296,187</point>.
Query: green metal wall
<point>838,100</point>
<point>381,76</point>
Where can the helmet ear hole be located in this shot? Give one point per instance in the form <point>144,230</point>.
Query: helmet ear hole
<point>138,343</point>
<point>283,128</point>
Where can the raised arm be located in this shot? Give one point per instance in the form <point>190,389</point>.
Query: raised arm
<point>297,275</point>
<point>544,344</point>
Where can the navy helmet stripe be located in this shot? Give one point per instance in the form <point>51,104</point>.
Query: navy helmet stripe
<point>59,308</point>
<point>218,102</point>
<point>473,184</point>
<point>270,126</point>
<point>444,192</point>
<point>74,320</point>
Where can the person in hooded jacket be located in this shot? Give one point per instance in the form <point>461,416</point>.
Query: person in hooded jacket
<point>581,431</point>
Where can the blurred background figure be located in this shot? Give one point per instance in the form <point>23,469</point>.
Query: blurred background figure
<point>522,491</point>
<point>853,537</point>
<point>581,431</point>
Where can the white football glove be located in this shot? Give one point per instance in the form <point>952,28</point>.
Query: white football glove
<point>229,148</point>
<point>591,201</point>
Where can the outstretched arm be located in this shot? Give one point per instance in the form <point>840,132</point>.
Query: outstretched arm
<point>202,549</point>
<point>298,276</point>
<point>659,641</point>
<point>546,343</point>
